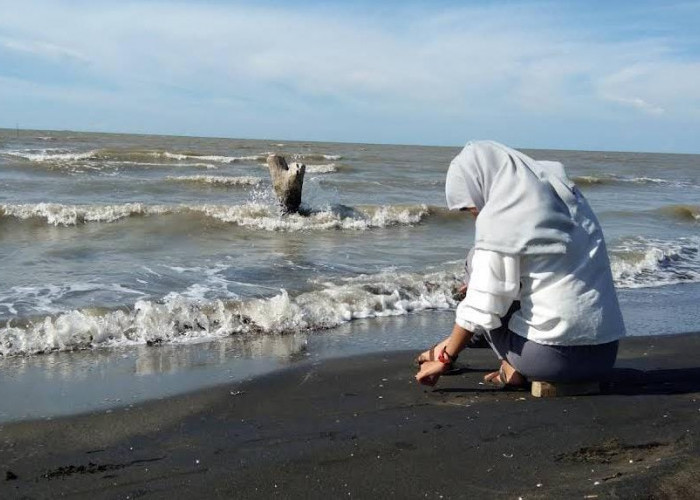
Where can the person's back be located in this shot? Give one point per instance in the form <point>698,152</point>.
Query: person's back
<point>569,299</point>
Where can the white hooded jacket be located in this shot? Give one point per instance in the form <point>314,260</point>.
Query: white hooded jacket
<point>537,240</point>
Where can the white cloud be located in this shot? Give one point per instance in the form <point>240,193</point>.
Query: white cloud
<point>482,62</point>
<point>637,103</point>
<point>655,87</point>
<point>41,49</point>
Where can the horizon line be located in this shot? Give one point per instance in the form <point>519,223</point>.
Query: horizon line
<point>18,129</point>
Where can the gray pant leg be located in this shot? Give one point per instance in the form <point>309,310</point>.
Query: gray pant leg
<point>553,363</point>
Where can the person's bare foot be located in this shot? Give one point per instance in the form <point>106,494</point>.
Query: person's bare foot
<point>506,376</point>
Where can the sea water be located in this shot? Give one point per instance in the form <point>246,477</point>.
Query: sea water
<point>120,248</point>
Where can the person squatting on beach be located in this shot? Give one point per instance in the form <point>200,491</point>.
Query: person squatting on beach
<point>537,243</point>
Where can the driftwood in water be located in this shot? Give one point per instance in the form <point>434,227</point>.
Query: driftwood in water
<point>288,181</point>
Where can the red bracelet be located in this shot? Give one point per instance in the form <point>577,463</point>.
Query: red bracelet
<point>445,357</point>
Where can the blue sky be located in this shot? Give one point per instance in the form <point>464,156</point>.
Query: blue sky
<point>612,75</point>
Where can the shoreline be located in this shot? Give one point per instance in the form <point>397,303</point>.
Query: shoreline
<point>361,426</point>
<point>69,383</point>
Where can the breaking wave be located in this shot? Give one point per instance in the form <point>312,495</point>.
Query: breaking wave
<point>611,180</point>
<point>58,155</point>
<point>302,157</point>
<point>253,215</point>
<point>126,155</point>
<point>214,158</point>
<point>57,214</point>
<point>177,319</point>
<point>682,212</point>
<point>644,262</point>
<point>185,318</point>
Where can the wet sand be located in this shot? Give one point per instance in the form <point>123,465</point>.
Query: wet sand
<point>361,427</point>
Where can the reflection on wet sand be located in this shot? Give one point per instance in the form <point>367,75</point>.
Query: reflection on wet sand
<point>174,358</point>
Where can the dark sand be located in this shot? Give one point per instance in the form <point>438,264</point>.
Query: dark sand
<point>361,427</point>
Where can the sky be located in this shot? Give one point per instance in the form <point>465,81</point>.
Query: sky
<point>587,75</point>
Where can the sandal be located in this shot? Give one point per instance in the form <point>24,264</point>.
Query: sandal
<point>501,381</point>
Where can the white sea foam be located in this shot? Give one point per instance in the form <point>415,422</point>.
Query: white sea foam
<point>304,157</point>
<point>203,311</point>
<point>214,158</point>
<point>46,299</point>
<point>594,180</point>
<point>58,214</point>
<point>178,318</point>
<point>126,156</point>
<point>52,155</point>
<point>119,164</point>
<point>262,216</point>
<point>646,262</point>
<point>217,180</point>
<point>326,168</point>
<point>314,168</point>
<point>253,214</point>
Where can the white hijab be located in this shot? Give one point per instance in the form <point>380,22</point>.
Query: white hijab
<point>525,206</point>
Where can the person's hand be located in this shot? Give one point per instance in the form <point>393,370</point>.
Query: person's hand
<point>428,355</point>
<point>432,353</point>
<point>430,372</point>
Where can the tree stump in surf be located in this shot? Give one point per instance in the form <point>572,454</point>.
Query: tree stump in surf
<point>287,181</point>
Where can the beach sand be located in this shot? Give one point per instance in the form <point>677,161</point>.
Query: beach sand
<point>360,427</point>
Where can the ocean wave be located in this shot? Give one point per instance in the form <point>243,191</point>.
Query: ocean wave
<point>125,155</point>
<point>253,215</point>
<point>44,298</point>
<point>125,164</point>
<point>610,180</point>
<point>217,180</point>
<point>53,156</point>
<point>76,162</point>
<point>314,168</point>
<point>645,262</point>
<point>192,317</point>
<point>326,168</point>
<point>683,212</point>
<point>57,214</point>
<point>262,216</point>
<point>178,319</point>
<point>214,158</point>
<point>304,157</point>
